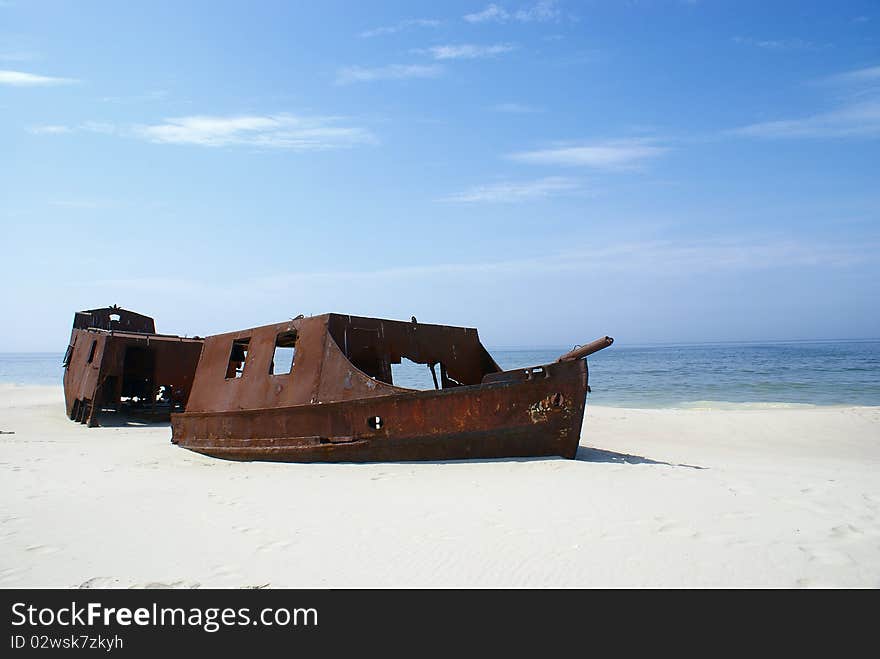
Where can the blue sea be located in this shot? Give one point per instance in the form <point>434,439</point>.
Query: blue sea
<point>698,375</point>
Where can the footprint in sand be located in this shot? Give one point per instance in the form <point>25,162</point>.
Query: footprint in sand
<point>827,556</point>
<point>224,571</point>
<point>278,545</point>
<point>846,532</point>
<point>676,529</point>
<point>247,530</point>
<point>154,585</point>
<point>99,582</point>
<point>42,549</point>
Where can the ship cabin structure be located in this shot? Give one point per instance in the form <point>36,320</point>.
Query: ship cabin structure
<point>117,366</point>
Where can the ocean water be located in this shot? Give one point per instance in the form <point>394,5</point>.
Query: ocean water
<point>782,374</point>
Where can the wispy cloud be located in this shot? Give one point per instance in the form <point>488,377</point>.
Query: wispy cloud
<point>400,26</point>
<point>856,115</point>
<point>644,260</point>
<point>354,74</point>
<point>776,44</point>
<point>545,10</point>
<point>492,13</point>
<point>278,131</point>
<point>608,155</point>
<point>866,75</point>
<point>657,258</point>
<point>22,79</point>
<point>516,108</point>
<point>102,127</point>
<point>513,192</point>
<point>856,120</point>
<point>49,129</point>
<point>466,51</point>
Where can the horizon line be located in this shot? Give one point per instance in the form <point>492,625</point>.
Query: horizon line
<point>529,348</point>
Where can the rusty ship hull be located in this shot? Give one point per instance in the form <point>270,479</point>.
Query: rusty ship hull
<point>338,403</point>
<point>523,414</point>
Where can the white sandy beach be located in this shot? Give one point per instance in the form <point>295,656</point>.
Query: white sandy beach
<point>657,498</point>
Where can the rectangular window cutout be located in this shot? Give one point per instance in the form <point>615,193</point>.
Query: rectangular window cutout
<point>237,358</point>
<point>67,355</point>
<point>92,351</point>
<point>285,354</point>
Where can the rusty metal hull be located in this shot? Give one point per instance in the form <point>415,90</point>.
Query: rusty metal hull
<point>116,363</point>
<point>527,412</point>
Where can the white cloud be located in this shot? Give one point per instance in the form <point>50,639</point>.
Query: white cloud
<point>22,79</point>
<point>86,126</point>
<point>281,131</point>
<point>542,11</point>
<point>855,120</point>
<point>102,127</point>
<point>354,74</point>
<point>491,13</point>
<point>611,155</point>
<point>867,75</point>
<point>512,192</point>
<point>400,26</point>
<point>857,113</point>
<point>776,44</point>
<point>278,131</point>
<point>755,253</point>
<point>546,10</point>
<point>656,258</point>
<point>466,51</point>
<point>49,129</point>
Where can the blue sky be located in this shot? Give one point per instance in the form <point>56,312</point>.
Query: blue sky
<point>545,171</point>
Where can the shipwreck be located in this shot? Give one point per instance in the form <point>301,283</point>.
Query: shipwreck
<point>321,389</point>
<point>116,364</point>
